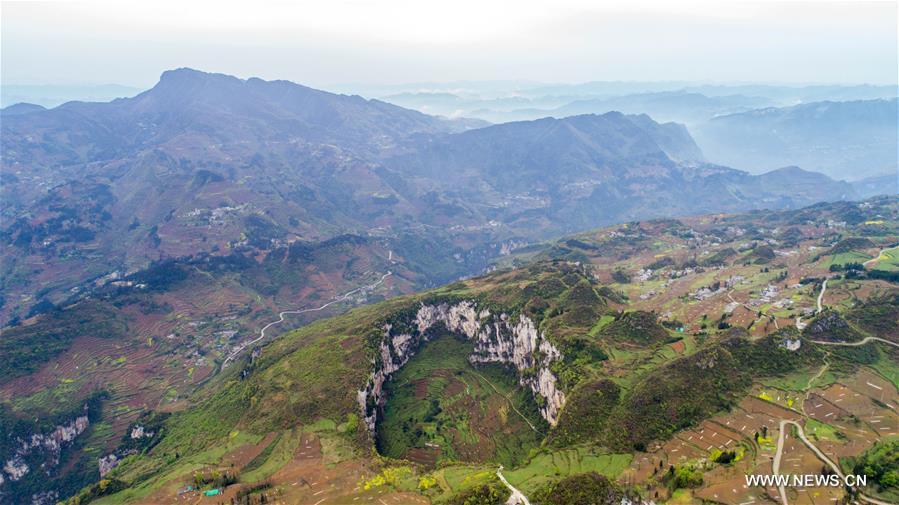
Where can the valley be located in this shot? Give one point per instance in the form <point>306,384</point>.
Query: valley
<point>252,288</point>
<point>206,163</point>
<point>445,409</point>
<point>663,355</point>
<point>449,253</point>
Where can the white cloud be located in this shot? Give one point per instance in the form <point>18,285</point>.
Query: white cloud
<point>318,42</point>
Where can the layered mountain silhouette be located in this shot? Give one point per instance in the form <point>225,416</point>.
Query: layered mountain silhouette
<point>212,163</point>
<point>851,140</point>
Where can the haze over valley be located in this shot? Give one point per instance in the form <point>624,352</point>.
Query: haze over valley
<point>594,254</point>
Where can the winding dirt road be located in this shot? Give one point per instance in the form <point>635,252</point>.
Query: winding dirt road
<point>799,324</point>
<point>855,344</point>
<point>879,256</point>
<point>517,497</point>
<point>281,315</point>
<point>820,455</point>
<point>821,295</point>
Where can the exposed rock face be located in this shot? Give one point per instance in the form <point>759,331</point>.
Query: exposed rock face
<point>51,444</point>
<point>107,463</point>
<point>138,432</point>
<point>497,339</point>
<point>16,468</point>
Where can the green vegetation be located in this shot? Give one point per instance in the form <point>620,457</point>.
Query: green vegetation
<point>491,493</point>
<point>719,257</point>
<point>445,408</point>
<point>684,476</point>
<point>830,326</point>
<point>586,412</point>
<point>629,381</point>
<point>691,388</point>
<point>846,258</point>
<point>636,327</point>
<point>75,454</point>
<point>263,456</point>
<point>822,431</point>
<point>888,366</point>
<point>26,348</point>
<point>878,315</point>
<point>881,464</point>
<point>547,466</point>
<point>584,488</point>
<point>280,451</point>
<point>851,244</point>
<point>888,260</point>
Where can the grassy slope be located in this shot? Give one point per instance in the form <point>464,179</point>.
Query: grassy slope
<point>461,420</point>
<point>313,373</point>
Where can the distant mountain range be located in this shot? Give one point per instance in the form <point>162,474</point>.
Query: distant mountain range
<point>848,132</point>
<point>51,95</point>
<point>212,163</point>
<point>848,140</point>
<point>680,101</point>
<point>887,184</point>
<point>680,106</point>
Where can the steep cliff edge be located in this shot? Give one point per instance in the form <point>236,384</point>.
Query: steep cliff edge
<point>497,338</point>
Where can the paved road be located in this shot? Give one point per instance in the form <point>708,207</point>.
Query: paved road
<point>780,445</point>
<point>821,295</point>
<point>281,315</point>
<point>860,342</point>
<point>775,465</point>
<point>799,324</point>
<point>517,497</point>
<point>876,258</point>
<point>820,455</point>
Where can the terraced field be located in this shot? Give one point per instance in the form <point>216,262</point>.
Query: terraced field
<point>675,351</point>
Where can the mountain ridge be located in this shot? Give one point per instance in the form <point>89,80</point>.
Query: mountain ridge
<point>217,152</point>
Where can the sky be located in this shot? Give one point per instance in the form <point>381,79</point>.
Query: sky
<point>327,42</point>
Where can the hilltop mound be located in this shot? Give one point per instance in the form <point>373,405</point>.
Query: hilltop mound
<point>635,327</point>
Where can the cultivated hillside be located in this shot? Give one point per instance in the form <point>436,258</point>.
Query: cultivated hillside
<point>611,352</point>
<point>209,163</point>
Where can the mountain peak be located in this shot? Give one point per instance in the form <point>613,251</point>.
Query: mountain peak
<point>21,108</point>
<point>793,170</point>
<point>185,79</point>
<point>186,73</point>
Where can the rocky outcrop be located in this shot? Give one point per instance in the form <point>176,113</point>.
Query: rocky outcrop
<point>50,444</point>
<point>497,338</point>
<point>138,432</point>
<point>107,463</point>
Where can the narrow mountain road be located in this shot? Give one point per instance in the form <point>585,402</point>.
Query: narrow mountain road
<point>808,386</point>
<point>281,315</point>
<point>775,465</point>
<point>820,455</point>
<point>879,256</point>
<point>780,445</point>
<point>860,342</point>
<point>821,295</point>
<point>799,324</point>
<point>517,497</point>
<point>820,306</point>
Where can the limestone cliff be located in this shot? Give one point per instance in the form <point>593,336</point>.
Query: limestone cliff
<point>45,447</point>
<point>497,338</point>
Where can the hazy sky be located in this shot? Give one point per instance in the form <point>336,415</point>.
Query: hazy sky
<point>392,41</point>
